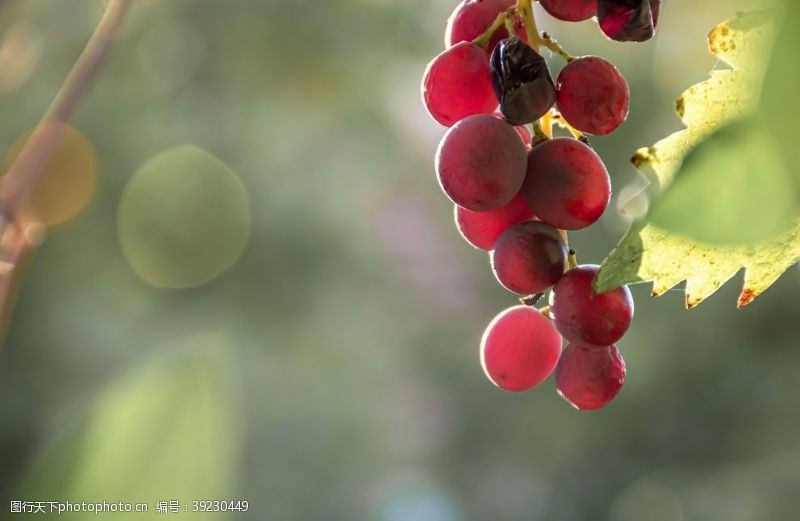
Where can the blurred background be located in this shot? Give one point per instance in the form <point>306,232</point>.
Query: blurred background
<point>263,296</point>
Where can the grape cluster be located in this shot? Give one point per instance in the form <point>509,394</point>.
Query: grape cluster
<point>518,191</point>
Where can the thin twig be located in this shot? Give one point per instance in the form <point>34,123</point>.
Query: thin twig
<point>19,250</point>
<point>26,170</point>
<point>33,158</point>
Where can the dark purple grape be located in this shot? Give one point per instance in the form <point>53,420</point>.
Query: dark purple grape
<point>529,257</point>
<point>570,10</point>
<point>567,185</point>
<point>520,349</point>
<point>481,163</point>
<point>458,83</point>
<point>628,20</point>
<point>521,82</point>
<point>592,95</point>
<point>583,317</point>
<point>590,377</point>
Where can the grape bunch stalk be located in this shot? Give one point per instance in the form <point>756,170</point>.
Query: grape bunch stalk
<point>518,190</point>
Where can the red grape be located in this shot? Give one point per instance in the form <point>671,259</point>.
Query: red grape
<point>628,20</point>
<point>570,10</point>
<point>519,349</point>
<point>458,83</point>
<point>592,95</point>
<point>481,163</point>
<point>583,317</point>
<point>523,130</point>
<point>524,134</point>
<point>590,377</point>
<point>567,184</point>
<point>472,17</point>
<point>481,229</point>
<point>529,257</point>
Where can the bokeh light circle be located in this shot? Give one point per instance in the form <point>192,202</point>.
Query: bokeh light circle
<point>69,178</point>
<point>184,218</point>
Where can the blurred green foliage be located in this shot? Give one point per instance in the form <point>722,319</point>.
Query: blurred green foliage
<point>163,432</point>
<point>332,372</point>
<point>183,219</point>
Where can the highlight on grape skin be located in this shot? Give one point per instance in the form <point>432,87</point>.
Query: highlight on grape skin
<point>582,316</point>
<point>529,257</point>
<point>589,378</point>
<point>567,184</point>
<point>458,83</point>
<point>570,10</point>
<point>481,229</point>
<point>470,19</point>
<point>481,163</point>
<point>592,95</point>
<point>520,349</point>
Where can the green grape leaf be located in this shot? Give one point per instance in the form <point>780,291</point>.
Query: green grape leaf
<point>746,168</point>
<point>722,107</point>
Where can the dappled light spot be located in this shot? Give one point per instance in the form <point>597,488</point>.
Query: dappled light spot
<point>633,202</point>
<point>184,218</point>
<point>20,50</point>
<point>69,178</point>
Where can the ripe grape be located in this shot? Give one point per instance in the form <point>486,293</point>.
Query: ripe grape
<point>590,377</point>
<point>458,83</point>
<point>519,349</point>
<point>570,10</point>
<point>523,130</point>
<point>529,257</point>
<point>592,95</point>
<point>481,229</point>
<point>585,318</point>
<point>480,163</point>
<point>472,17</point>
<point>521,82</point>
<point>567,184</point>
<point>524,134</point>
<point>628,20</point>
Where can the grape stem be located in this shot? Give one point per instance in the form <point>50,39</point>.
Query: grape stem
<point>572,258</point>
<point>543,127</point>
<point>531,300</point>
<point>523,9</point>
<point>539,134</point>
<point>559,120</point>
<point>546,124</point>
<point>551,44</point>
<point>485,37</point>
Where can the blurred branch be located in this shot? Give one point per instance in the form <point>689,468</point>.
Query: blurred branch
<point>33,157</point>
<point>17,249</point>
<point>24,173</point>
